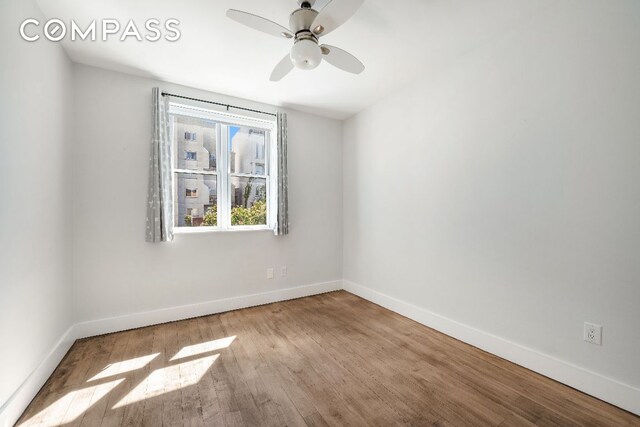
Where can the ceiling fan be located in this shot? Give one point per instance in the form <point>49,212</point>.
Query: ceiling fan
<point>306,25</point>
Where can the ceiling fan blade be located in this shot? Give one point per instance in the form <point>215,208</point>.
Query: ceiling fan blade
<point>334,14</point>
<point>342,59</point>
<point>259,23</point>
<point>282,69</point>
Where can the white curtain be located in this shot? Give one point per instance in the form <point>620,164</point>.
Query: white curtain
<point>282,226</point>
<point>160,199</point>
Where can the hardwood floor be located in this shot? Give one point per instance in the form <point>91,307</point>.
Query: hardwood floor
<point>331,359</point>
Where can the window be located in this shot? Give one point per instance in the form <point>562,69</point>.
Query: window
<point>223,170</point>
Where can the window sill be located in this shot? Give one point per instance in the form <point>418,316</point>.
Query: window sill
<point>200,230</point>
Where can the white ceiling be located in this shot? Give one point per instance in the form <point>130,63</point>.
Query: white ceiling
<point>396,40</point>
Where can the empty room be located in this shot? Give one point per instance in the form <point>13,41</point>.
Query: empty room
<point>319,213</point>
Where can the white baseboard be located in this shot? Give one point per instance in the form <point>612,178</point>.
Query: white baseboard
<point>154,317</point>
<point>20,399</point>
<point>18,402</point>
<point>622,395</point>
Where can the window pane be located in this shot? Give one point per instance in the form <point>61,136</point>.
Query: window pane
<point>196,200</point>
<point>248,201</point>
<point>195,143</point>
<point>247,150</point>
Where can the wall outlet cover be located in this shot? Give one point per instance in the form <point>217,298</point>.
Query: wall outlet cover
<point>593,333</point>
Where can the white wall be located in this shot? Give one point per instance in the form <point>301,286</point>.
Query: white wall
<point>503,192</point>
<point>35,209</point>
<point>116,272</point>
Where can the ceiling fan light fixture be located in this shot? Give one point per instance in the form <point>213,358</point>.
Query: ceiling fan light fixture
<point>306,54</point>
<point>306,25</point>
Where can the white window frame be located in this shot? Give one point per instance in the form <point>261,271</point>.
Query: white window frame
<point>222,172</point>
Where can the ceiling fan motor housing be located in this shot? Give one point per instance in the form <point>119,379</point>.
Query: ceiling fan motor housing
<point>302,19</point>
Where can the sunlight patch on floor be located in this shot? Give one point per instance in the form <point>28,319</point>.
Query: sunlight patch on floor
<point>124,366</point>
<point>205,347</point>
<point>168,379</point>
<point>185,368</point>
<point>73,404</point>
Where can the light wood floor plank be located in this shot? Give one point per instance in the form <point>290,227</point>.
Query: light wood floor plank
<point>152,412</point>
<point>171,397</point>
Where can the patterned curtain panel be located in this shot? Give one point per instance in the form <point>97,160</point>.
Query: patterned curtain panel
<point>160,199</point>
<point>282,227</point>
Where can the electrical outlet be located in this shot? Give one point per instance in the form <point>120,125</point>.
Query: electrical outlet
<point>283,271</point>
<point>269,273</point>
<point>593,333</point>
